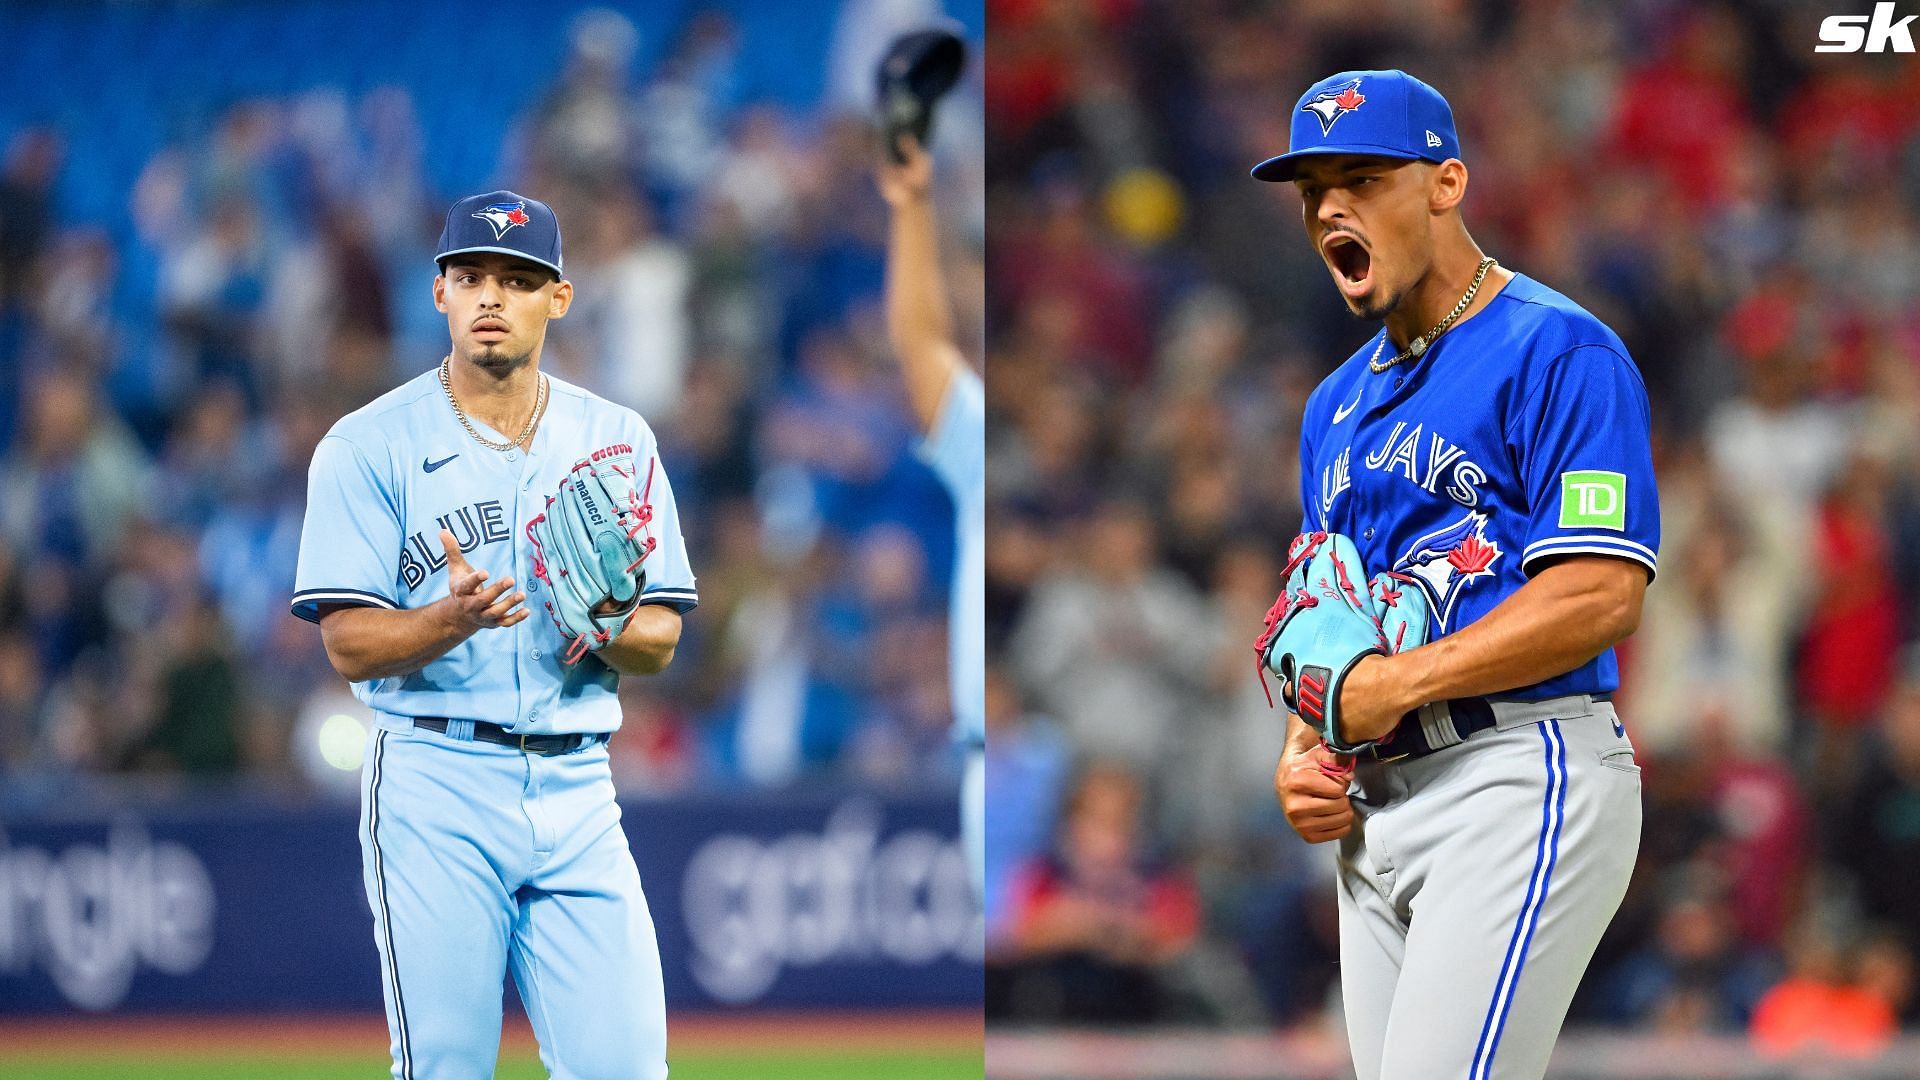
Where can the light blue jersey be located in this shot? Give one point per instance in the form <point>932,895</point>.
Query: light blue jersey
<point>480,857</point>
<point>391,475</point>
<point>956,450</point>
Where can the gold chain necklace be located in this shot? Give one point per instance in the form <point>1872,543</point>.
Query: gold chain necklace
<point>1420,343</point>
<point>533,418</point>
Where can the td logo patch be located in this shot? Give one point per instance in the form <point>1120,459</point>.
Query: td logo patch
<point>1593,499</point>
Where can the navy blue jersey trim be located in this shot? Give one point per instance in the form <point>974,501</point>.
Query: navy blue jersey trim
<point>680,600</point>
<point>306,603</point>
<point>1585,548</point>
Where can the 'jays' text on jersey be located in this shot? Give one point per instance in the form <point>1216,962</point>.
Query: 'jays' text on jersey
<point>389,476</point>
<point>956,450</point>
<point>1521,435</point>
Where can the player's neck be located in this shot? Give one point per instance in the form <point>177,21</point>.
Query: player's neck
<point>502,400</point>
<point>1436,295</point>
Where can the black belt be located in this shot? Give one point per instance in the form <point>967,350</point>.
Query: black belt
<point>1409,739</point>
<point>544,745</point>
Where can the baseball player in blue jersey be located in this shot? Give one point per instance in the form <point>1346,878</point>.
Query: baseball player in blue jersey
<point>1486,458</point>
<point>947,396</point>
<point>487,549</point>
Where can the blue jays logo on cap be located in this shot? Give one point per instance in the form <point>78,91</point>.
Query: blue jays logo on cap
<point>503,216</point>
<point>515,225</point>
<point>1398,117</point>
<point>1448,559</point>
<point>1331,105</point>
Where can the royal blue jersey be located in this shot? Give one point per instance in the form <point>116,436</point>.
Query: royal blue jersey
<point>1521,435</point>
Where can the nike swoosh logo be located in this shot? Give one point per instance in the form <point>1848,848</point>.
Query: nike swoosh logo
<point>432,465</point>
<point>1342,412</point>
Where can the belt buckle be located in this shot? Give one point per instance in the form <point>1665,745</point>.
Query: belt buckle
<point>523,746</point>
<point>1373,753</point>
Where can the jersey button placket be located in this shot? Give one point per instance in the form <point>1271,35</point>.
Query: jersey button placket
<point>526,505</point>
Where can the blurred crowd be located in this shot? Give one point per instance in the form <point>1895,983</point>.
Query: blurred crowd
<point>165,374</point>
<point>1744,213</point>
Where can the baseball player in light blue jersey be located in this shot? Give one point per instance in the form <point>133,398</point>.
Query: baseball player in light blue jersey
<point>1491,447</point>
<point>949,401</point>
<point>490,835</point>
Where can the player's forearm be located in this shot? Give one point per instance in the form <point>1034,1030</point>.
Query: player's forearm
<point>1567,615</point>
<point>919,323</point>
<point>373,643</point>
<point>647,645</point>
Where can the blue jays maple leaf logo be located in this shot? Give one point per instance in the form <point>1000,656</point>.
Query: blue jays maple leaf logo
<point>503,216</point>
<point>1331,105</point>
<point>1447,560</point>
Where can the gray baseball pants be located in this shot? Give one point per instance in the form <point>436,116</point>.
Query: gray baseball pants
<point>1474,887</point>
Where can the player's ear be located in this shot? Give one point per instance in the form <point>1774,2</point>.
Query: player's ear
<point>561,300</point>
<point>1447,185</point>
<point>440,292</point>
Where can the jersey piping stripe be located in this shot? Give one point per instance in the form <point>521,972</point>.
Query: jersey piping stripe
<point>1546,853</point>
<point>1588,545</point>
<point>311,595</point>
<point>1558,740</point>
<point>1589,538</point>
<point>386,918</point>
<point>1589,549</point>
<point>682,600</point>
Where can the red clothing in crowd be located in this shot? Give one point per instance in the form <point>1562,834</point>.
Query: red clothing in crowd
<point>1807,1014</point>
<point>1853,638</point>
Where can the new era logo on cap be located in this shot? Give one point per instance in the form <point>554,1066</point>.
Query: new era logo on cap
<point>1433,140</point>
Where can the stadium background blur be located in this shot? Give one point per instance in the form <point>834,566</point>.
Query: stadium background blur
<point>1741,211</point>
<point>216,230</point>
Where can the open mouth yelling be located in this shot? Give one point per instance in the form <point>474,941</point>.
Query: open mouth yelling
<point>1352,263</point>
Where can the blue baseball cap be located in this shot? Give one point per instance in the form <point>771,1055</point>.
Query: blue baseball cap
<point>504,223</point>
<point>1383,113</point>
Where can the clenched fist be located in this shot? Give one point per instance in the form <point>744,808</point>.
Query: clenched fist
<point>1311,784</point>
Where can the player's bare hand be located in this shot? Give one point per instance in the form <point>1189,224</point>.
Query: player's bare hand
<point>473,604</point>
<point>903,184</point>
<point>1311,785</point>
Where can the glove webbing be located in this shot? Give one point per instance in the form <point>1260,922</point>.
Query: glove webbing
<point>1286,605</point>
<point>1303,549</point>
